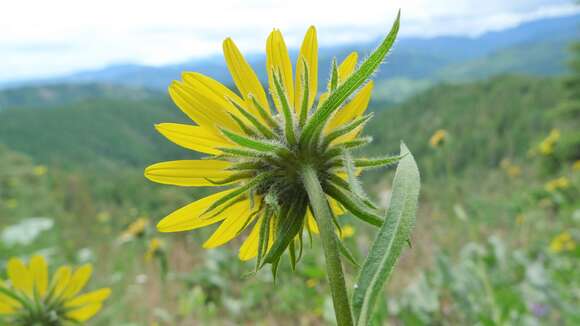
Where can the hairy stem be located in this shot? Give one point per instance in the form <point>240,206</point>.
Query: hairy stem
<point>323,216</point>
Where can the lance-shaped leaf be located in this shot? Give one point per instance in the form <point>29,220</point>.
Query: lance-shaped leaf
<point>390,240</point>
<point>350,85</point>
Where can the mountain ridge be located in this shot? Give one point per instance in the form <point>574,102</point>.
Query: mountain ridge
<point>412,58</point>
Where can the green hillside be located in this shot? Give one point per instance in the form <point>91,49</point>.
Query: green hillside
<point>47,96</point>
<point>486,121</point>
<point>90,132</point>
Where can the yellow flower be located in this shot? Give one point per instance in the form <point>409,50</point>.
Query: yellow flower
<point>512,170</point>
<point>520,219</point>
<point>135,229</point>
<point>261,150</point>
<point>347,231</point>
<point>32,300</point>
<point>576,166</point>
<point>155,246</point>
<point>557,184</point>
<point>311,283</point>
<point>103,217</point>
<point>563,242</point>
<point>438,138</point>
<point>40,170</point>
<point>546,146</point>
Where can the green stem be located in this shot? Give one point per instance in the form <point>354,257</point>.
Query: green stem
<point>323,216</point>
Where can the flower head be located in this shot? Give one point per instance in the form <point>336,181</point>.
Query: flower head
<point>546,146</point>
<point>557,184</point>
<point>135,229</point>
<point>576,166</point>
<point>563,242</point>
<point>30,299</point>
<point>259,146</point>
<point>155,247</point>
<point>40,170</point>
<point>438,138</point>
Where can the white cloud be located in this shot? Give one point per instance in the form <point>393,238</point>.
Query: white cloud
<point>42,38</point>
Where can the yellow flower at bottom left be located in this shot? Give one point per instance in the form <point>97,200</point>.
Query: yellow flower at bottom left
<point>29,298</point>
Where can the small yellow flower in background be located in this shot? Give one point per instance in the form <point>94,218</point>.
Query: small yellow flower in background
<point>39,170</point>
<point>576,166</point>
<point>563,242</point>
<point>347,231</point>
<point>135,229</point>
<point>30,299</point>
<point>311,283</point>
<point>511,169</point>
<point>520,219</point>
<point>438,138</point>
<point>156,246</point>
<point>103,217</point>
<point>546,146</point>
<point>557,184</point>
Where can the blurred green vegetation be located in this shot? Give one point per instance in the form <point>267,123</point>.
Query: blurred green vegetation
<point>496,240</point>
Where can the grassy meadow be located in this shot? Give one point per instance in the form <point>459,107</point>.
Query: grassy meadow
<point>497,233</point>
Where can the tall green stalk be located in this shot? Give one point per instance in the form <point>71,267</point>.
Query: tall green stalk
<point>324,217</point>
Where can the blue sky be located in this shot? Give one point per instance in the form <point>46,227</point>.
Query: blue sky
<point>48,38</point>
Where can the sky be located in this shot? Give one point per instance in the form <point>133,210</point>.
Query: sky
<point>41,39</point>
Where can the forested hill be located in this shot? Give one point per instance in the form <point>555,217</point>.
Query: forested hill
<point>120,130</point>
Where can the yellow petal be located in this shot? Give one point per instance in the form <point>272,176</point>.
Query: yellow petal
<point>214,90</point>
<point>214,97</point>
<point>200,105</point>
<point>188,217</point>
<point>188,173</point>
<point>201,139</point>
<point>353,109</point>
<point>39,270</point>
<point>84,313</point>
<point>97,296</point>
<point>20,276</point>
<point>78,281</point>
<point>336,208</point>
<point>249,248</point>
<point>234,223</point>
<point>244,76</point>
<point>311,222</point>
<point>346,68</point>
<point>60,280</point>
<point>277,59</point>
<point>308,52</point>
<point>7,304</point>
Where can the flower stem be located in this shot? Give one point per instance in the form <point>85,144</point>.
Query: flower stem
<point>324,217</point>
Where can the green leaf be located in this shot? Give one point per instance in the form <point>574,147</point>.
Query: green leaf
<point>346,128</point>
<point>390,240</point>
<point>346,89</point>
<point>376,162</point>
<point>305,93</point>
<point>350,201</point>
<point>345,252</point>
<point>289,226</point>
<point>264,130</point>
<point>286,110</point>
<point>333,82</point>
<point>254,144</point>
